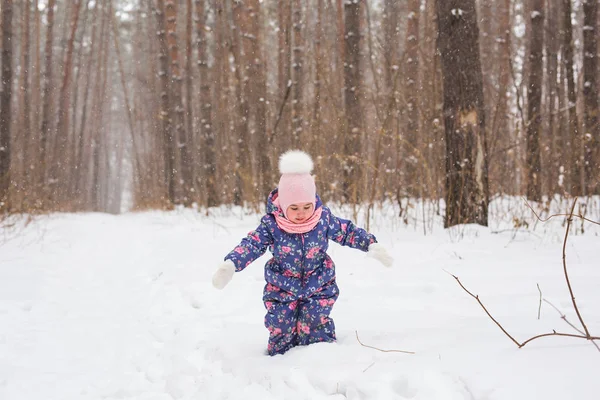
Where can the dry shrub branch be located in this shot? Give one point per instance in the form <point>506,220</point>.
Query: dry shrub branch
<point>382,350</point>
<point>585,334</point>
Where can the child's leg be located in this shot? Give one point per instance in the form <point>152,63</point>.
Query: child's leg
<point>281,322</point>
<point>314,323</point>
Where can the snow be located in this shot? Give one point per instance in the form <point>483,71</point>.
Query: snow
<point>96,306</point>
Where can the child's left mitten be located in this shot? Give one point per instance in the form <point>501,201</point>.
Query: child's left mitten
<point>223,274</point>
<point>378,252</point>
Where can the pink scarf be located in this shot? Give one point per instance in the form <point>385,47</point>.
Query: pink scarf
<point>292,227</point>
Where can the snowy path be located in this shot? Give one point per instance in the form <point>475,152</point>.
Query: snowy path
<point>103,307</point>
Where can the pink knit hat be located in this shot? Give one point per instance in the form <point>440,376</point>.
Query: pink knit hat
<point>296,185</point>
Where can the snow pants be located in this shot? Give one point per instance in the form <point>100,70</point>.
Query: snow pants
<point>296,320</point>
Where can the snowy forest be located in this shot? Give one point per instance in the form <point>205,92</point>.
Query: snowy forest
<point>440,200</point>
<point>161,103</point>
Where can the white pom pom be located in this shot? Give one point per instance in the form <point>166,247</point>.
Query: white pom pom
<point>295,162</point>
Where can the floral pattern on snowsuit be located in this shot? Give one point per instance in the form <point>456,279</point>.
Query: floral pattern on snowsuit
<point>301,288</point>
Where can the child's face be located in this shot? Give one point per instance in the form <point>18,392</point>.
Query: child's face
<point>299,212</point>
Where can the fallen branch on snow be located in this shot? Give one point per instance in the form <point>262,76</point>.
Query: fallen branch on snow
<point>378,349</point>
<point>585,334</point>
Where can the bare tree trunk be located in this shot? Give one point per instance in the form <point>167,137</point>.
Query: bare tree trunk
<point>575,148</point>
<point>258,92</point>
<point>352,93</point>
<point>183,162</point>
<point>298,57</point>
<point>341,53</point>
<point>391,38</point>
<point>169,139</point>
<point>206,109</point>
<point>36,85</point>
<point>410,110</point>
<point>464,117</point>
<point>534,102</point>
<point>136,162</point>
<point>47,91</point>
<point>25,120</point>
<point>189,109</point>
<point>82,165</point>
<point>554,150</point>
<point>317,134</point>
<point>5,103</point>
<point>96,185</point>
<point>284,37</point>
<point>221,125</point>
<point>61,156</point>
<point>244,173</point>
<point>591,141</point>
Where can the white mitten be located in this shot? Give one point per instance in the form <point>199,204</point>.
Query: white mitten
<point>223,274</point>
<point>378,252</point>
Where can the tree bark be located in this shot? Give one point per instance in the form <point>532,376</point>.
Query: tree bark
<point>183,162</point>
<point>47,91</point>
<point>244,171</point>
<point>464,117</point>
<point>591,141</point>
<point>353,112</point>
<point>168,134</point>
<point>61,156</point>
<point>575,145</point>
<point>5,104</point>
<point>534,102</point>
<point>206,109</point>
<point>410,110</point>
<point>258,92</point>
<point>298,70</point>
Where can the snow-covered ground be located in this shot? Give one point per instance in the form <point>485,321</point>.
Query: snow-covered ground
<point>96,306</point>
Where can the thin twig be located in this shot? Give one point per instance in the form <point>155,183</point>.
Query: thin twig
<point>564,318</point>
<point>560,215</point>
<point>365,370</point>
<point>285,97</point>
<point>378,349</point>
<point>476,297</point>
<point>540,305</point>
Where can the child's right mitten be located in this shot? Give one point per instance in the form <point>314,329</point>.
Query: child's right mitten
<point>223,274</point>
<point>378,252</point>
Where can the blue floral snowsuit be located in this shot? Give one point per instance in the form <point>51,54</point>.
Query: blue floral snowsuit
<point>301,287</point>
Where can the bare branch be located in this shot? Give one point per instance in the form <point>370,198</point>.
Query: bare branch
<point>559,215</point>
<point>476,297</point>
<point>383,351</point>
<point>559,334</point>
<point>554,333</point>
<point>564,318</point>
<point>564,257</point>
<point>540,305</point>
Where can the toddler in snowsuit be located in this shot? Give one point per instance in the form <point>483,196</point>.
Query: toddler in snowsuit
<point>301,287</point>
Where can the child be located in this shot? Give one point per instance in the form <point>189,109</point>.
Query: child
<point>301,287</point>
